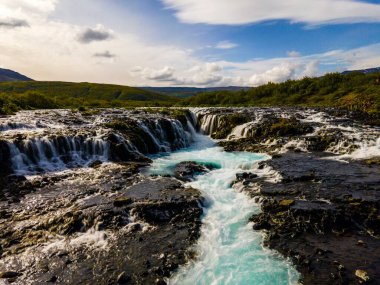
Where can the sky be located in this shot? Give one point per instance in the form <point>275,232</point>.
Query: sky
<point>198,43</point>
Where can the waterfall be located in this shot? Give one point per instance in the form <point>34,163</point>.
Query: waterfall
<point>40,152</point>
<point>13,126</point>
<point>54,153</point>
<point>207,123</point>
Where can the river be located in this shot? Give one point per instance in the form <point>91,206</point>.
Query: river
<point>228,251</point>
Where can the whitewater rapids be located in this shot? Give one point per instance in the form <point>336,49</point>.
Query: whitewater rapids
<point>228,251</point>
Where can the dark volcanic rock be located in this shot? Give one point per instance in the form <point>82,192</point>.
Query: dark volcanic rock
<point>107,225</point>
<point>228,122</point>
<point>324,214</point>
<point>185,171</point>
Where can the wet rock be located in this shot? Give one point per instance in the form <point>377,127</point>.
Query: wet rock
<point>123,278</point>
<point>160,282</point>
<point>185,171</point>
<point>227,123</point>
<point>317,214</point>
<point>122,201</point>
<point>9,274</point>
<point>111,216</point>
<point>372,161</point>
<point>95,164</point>
<point>275,127</point>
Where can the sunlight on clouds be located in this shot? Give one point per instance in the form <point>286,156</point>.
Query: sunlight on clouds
<point>226,45</point>
<point>26,8</point>
<point>33,43</point>
<point>237,12</point>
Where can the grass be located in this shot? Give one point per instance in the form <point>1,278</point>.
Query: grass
<point>355,91</point>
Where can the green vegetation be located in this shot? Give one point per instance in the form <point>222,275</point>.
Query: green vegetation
<point>46,95</point>
<point>354,91</point>
<point>281,127</point>
<point>228,123</point>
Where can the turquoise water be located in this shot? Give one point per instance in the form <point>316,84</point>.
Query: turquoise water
<point>229,251</point>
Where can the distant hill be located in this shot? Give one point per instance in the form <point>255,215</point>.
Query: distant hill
<point>10,75</point>
<point>85,91</point>
<point>41,95</point>
<point>355,91</point>
<point>186,92</point>
<point>365,71</point>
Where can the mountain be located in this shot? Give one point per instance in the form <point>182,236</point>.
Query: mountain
<point>365,71</point>
<point>10,75</point>
<point>186,92</point>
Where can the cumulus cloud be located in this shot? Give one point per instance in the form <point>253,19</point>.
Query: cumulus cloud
<point>164,74</point>
<point>311,69</point>
<point>97,34</point>
<point>210,67</point>
<point>277,74</point>
<point>226,45</point>
<point>204,79</point>
<point>198,75</point>
<point>260,71</point>
<point>293,53</point>
<point>304,67</point>
<point>106,54</point>
<point>227,12</point>
<point>27,6</point>
<point>48,43</point>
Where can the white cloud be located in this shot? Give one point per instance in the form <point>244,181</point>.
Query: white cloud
<point>278,73</point>
<point>311,69</point>
<point>212,67</point>
<point>293,53</point>
<point>198,75</point>
<point>49,50</point>
<point>164,74</point>
<point>226,45</point>
<point>26,8</point>
<point>237,12</point>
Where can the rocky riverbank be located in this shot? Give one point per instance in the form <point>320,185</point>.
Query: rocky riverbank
<point>75,207</point>
<point>323,214</point>
<point>92,227</point>
<point>320,192</point>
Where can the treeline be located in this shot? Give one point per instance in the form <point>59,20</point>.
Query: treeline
<point>354,91</point>
<point>15,96</point>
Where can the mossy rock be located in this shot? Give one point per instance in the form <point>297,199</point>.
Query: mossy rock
<point>122,201</point>
<point>228,123</point>
<point>138,136</point>
<point>372,161</point>
<point>286,202</point>
<point>280,127</point>
<point>180,115</point>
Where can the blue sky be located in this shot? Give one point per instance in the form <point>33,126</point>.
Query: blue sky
<point>188,42</point>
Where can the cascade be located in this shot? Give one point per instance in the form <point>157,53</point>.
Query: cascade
<point>40,152</point>
<point>228,251</point>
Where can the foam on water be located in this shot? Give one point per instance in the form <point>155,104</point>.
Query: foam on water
<point>229,251</point>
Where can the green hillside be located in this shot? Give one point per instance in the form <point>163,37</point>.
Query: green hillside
<point>186,92</point>
<point>354,91</point>
<point>38,94</point>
